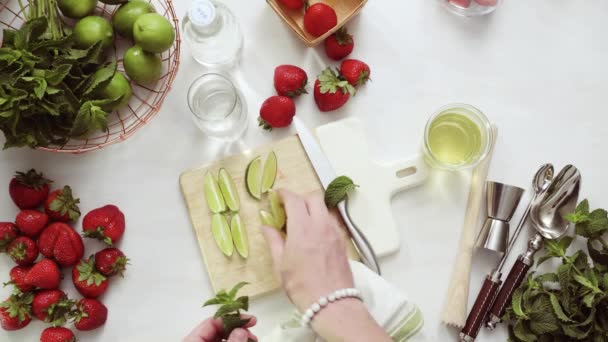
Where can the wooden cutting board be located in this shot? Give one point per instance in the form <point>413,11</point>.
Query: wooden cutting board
<point>294,173</point>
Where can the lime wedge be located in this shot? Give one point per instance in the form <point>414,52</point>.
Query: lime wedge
<point>267,219</point>
<point>278,211</point>
<point>214,197</point>
<point>231,196</point>
<point>270,172</point>
<point>221,234</point>
<point>239,235</point>
<point>252,178</point>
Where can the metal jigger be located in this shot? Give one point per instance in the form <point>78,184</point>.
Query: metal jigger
<point>502,201</point>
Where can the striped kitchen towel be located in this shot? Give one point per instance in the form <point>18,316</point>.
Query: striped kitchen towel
<point>387,304</point>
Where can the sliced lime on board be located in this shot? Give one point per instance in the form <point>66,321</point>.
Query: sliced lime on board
<point>270,172</point>
<point>252,178</point>
<point>239,236</point>
<point>213,194</point>
<point>231,196</point>
<point>278,211</point>
<point>267,219</point>
<point>221,234</point>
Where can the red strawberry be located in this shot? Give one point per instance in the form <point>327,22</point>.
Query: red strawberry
<point>57,334</point>
<point>44,274</point>
<point>60,242</point>
<point>8,233</point>
<point>276,112</point>
<point>29,189</point>
<point>31,222</point>
<point>23,251</point>
<point>91,314</point>
<point>461,3</point>
<point>110,262</point>
<point>331,92</point>
<point>87,280</point>
<point>293,4</point>
<point>52,306</point>
<point>106,224</point>
<point>61,205</point>
<point>15,312</point>
<point>339,44</point>
<point>290,80</point>
<point>355,72</point>
<point>17,275</point>
<point>319,18</point>
<point>487,2</point>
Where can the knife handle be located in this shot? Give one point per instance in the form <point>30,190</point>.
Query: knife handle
<point>365,249</point>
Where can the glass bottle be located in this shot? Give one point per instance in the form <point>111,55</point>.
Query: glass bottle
<point>213,34</point>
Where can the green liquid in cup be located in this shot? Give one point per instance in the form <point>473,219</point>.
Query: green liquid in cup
<point>454,139</point>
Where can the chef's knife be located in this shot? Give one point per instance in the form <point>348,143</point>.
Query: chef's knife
<point>326,175</point>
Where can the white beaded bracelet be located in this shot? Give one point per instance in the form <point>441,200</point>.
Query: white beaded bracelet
<point>324,301</point>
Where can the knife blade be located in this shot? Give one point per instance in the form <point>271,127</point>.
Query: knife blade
<point>326,175</point>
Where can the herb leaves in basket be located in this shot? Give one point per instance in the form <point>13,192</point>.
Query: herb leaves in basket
<point>570,303</point>
<point>49,91</point>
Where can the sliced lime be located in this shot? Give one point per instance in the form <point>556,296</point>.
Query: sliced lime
<point>231,196</point>
<point>278,211</point>
<point>267,219</point>
<point>239,235</point>
<point>221,234</point>
<point>214,197</point>
<point>270,172</point>
<point>252,178</point>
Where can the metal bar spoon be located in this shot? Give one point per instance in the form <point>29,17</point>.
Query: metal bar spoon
<point>541,181</point>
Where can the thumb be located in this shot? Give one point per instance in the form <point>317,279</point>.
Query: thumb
<point>276,244</point>
<point>238,335</point>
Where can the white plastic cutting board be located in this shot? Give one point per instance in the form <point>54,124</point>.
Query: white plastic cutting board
<point>369,206</point>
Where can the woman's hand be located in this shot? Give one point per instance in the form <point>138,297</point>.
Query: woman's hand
<point>312,263</point>
<point>212,329</point>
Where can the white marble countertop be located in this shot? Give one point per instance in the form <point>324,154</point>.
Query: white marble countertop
<point>536,68</point>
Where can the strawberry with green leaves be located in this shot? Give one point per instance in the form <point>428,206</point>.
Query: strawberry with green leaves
<point>57,334</point>
<point>62,206</point>
<point>331,91</point>
<point>8,233</point>
<point>111,262</point>
<point>339,45</point>
<point>23,251</point>
<point>29,189</point>
<point>290,80</point>
<point>90,314</point>
<point>44,275</point>
<point>16,311</point>
<point>52,306</point>
<point>60,242</point>
<point>356,72</point>
<point>31,222</point>
<point>87,280</point>
<point>106,224</point>
<point>17,275</point>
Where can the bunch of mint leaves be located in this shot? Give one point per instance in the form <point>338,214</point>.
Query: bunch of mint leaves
<point>230,308</point>
<point>48,89</point>
<point>570,303</point>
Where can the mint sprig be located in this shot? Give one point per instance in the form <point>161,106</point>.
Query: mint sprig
<point>230,308</point>
<point>338,190</point>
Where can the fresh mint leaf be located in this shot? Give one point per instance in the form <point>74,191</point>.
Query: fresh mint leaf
<point>236,289</point>
<point>516,302</point>
<point>557,309</point>
<point>338,190</point>
<point>100,79</point>
<point>523,333</point>
<point>586,282</point>
<point>576,332</point>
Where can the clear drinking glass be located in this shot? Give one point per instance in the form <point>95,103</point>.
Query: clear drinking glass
<point>471,8</point>
<point>218,107</point>
<point>457,136</point>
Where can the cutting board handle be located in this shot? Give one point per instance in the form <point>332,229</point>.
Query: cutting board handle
<point>404,174</point>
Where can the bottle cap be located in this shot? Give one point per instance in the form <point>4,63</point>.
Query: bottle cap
<point>202,12</point>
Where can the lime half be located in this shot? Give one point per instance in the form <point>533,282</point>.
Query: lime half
<point>221,234</point>
<point>214,197</point>
<point>267,219</point>
<point>270,172</point>
<point>252,178</point>
<point>278,211</point>
<point>231,196</point>
<point>239,235</point>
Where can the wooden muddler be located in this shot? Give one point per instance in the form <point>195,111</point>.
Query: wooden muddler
<point>454,311</point>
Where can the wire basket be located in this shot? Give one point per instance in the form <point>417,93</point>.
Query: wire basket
<point>146,100</point>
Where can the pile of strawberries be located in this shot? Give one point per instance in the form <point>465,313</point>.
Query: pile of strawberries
<point>36,282</point>
<point>332,89</point>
